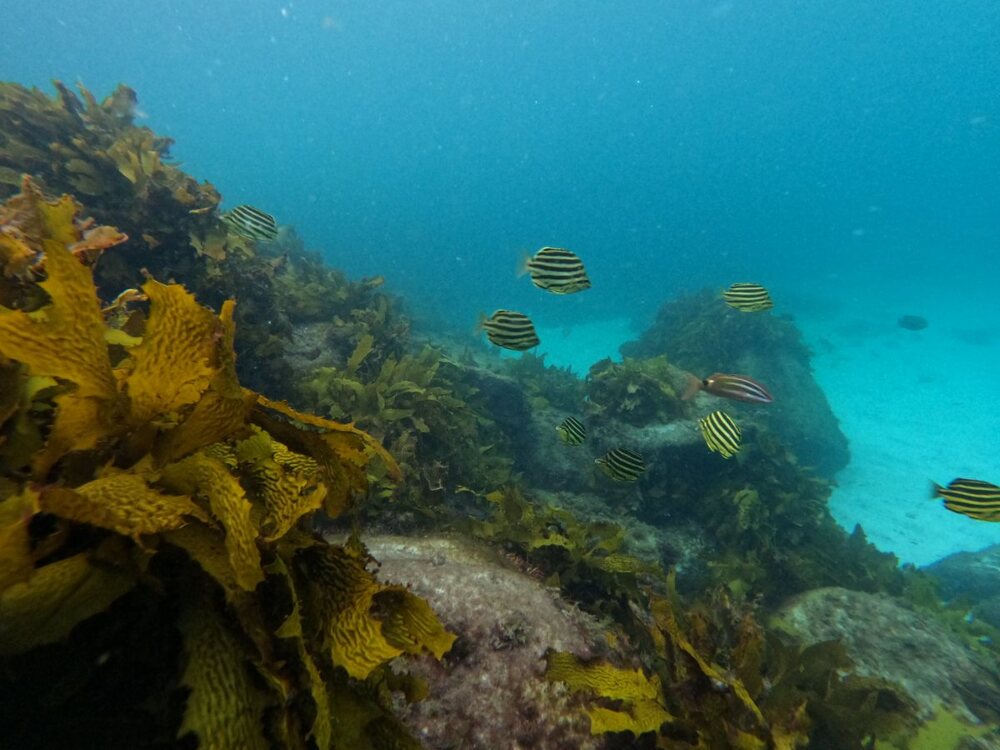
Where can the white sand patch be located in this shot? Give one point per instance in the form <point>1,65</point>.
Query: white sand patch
<point>916,406</point>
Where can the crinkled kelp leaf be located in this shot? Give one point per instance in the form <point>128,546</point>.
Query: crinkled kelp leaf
<point>289,484</point>
<point>176,360</point>
<point>221,411</point>
<point>364,623</point>
<point>16,562</point>
<point>64,339</point>
<point>58,596</point>
<point>225,707</point>
<point>202,476</point>
<point>123,503</point>
<point>639,698</point>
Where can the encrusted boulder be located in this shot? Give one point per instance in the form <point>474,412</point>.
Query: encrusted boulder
<point>972,576</point>
<point>886,639</point>
<point>701,333</point>
<point>490,691</point>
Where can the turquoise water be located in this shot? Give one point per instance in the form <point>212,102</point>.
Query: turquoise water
<point>843,153</point>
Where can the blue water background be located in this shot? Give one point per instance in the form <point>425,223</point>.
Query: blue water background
<point>672,144</point>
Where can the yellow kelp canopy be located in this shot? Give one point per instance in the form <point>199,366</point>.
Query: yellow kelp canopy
<point>141,450</point>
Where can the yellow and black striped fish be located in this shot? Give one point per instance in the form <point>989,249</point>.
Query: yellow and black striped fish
<point>721,433</point>
<point>251,223</point>
<point>622,464</point>
<point>748,297</point>
<point>571,431</point>
<point>971,497</point>
<point>510,330</point>
<point>557,270</point>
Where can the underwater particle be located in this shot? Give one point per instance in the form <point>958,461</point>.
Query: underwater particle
<point>251,223</point>
<point>571,431</point>
<point>622,464</point>
<point>721,433</point>
<point>912,322</point>
<point>736,387</point>
<point>970,497</point>
<point>510,330</point>
<point>557,270</point>
<point>747,297</point>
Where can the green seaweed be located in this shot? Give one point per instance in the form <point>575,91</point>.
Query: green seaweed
<point>637,391</point>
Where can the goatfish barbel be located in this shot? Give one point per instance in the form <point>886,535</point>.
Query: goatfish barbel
<point>250,222</point>
<point>971,497</point>
<point>556,270</point>
<point>736,387</point>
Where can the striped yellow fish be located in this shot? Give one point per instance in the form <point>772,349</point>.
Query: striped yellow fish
<point>510,330</point>
<point>571,431</point>
<point>721,433</point>
<point>971,497</point>
<point>251,223</point>
<point>557,270</point>
<point>748,297</point>
<point>622,464</point>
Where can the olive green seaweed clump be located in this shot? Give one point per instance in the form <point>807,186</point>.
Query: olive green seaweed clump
<point>637,391</point>
<point>425,412</point>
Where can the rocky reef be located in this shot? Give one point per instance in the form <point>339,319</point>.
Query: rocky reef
<point>889,640</point>
<point>183,411</point>
<point>702,335</point>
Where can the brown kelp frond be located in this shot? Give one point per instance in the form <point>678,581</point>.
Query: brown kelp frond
<point>140,469</point>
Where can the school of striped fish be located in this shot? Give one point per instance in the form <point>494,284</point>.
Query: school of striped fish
<point>561,271</point>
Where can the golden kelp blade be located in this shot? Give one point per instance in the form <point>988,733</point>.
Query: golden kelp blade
<point>123,503</point>
<point>288,483</point>
<point>56,598</point>
<point>177,359</point>
<point>225,708</point>
<point>365,442</point>
<point>640,697</point>
<point>65,340</point>
<point>200,475</point>
<point>16,563</point>
<point>222,410</point>
<point>341,596</point>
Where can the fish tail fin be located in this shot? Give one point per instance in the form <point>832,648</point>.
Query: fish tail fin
<point>480,324</point>
<point>691,389</point>
<point>936,490</point>
<point>522,264</point>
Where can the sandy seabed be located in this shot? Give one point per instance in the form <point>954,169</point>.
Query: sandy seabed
<point>916,406</point>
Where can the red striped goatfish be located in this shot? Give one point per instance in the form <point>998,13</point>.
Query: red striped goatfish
<point>736,387</point>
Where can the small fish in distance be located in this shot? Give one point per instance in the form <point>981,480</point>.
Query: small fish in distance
<point>557,270</point>
<point>748,298</point>
<point>571,431</point>
<point>622,464</point>
<point>251,223</point>
<point>970,497</point>
<point>510,330</point>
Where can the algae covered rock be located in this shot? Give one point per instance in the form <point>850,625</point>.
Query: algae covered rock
<point>973,577</point>
<point>702,334</point>
<point>491,691</point>
<point>887,640</point>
